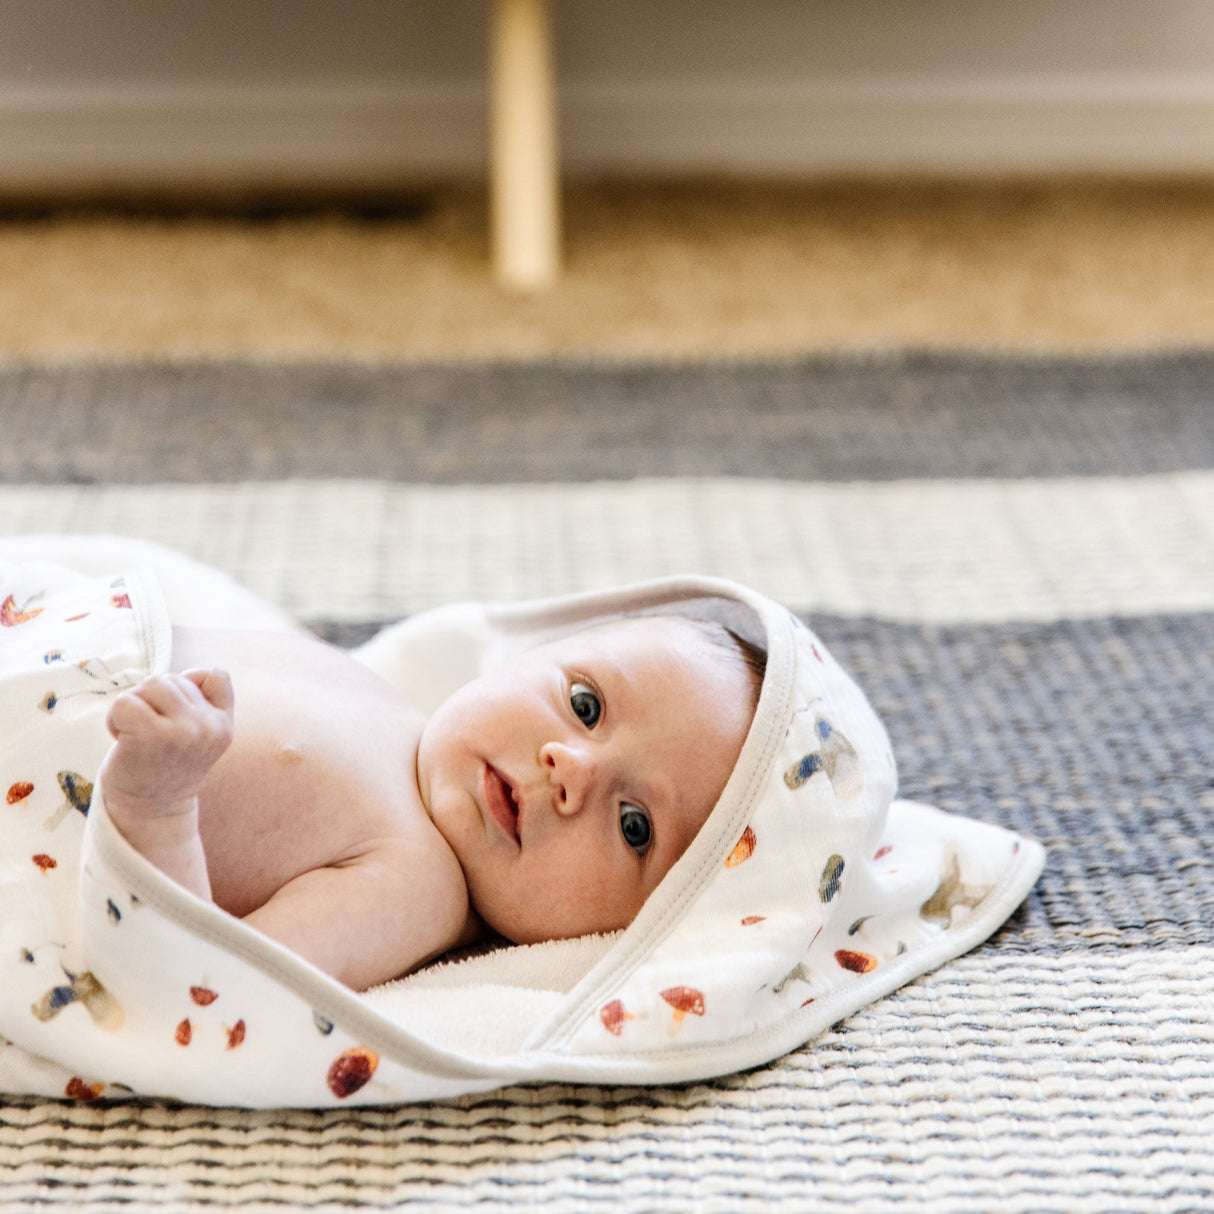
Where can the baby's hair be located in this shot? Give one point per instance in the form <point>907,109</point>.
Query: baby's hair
<point>752,657</point>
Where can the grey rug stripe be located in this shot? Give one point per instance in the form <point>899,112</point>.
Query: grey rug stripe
<point>834,419</point>
<point>1093,736</point>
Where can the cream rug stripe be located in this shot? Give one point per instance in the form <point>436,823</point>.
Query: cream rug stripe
<point>932,1092</point>
<point>965,551</point>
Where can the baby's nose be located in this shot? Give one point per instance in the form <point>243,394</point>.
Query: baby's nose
<point>571,774</point>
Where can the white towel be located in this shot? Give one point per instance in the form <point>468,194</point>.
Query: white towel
<point>809,892</point>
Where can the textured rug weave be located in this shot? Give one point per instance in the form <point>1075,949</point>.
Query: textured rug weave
<point>1015,558</point>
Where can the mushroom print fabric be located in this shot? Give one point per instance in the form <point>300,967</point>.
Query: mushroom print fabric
<point>810,891</point>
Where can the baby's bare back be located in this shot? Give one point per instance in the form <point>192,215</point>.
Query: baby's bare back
<point>311,821</point>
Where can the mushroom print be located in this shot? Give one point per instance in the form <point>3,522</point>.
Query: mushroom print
<point>803,770</point>
<point>684,1000</point>
<point>351,1071</point>
<point>951,893</point>
<point>743,851</point>
<point>798,973</point>
<point>843,766</point>
<point>103,683</point>
<point>614,1016</point>
<point>857,963</point>
<point>832,874</point>
<point>78,793</point>
<point>18,792</point>
<point>836,757</point>
<point>11,615</point>
<point>105,1010</point>
<point>77,1089</point>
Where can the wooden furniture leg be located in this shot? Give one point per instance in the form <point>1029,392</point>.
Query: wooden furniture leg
<point>523,154</point>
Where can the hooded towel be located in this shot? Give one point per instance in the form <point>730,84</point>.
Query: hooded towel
<point>809,892</point>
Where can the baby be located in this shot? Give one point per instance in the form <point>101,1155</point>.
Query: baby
<point>298,790</point>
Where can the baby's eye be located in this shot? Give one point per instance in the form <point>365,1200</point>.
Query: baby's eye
<point>634,826</point>
<point>585,704</point>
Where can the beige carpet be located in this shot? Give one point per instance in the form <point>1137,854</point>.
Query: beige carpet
<point>658,269</point>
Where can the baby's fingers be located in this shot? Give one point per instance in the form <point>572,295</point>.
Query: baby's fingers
<point>169,695</point>
<point>216,687</point>
<point>130,713</point>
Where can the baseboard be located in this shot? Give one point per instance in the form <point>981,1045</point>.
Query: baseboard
<point>948,125</point>
<point>266,136</point>
<point>251,136</point>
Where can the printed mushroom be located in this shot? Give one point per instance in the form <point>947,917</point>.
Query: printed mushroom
<point>684,1000</point>
<point>11,615</point>
<point>77,790</point>
<point>18,792</point>
<point>857,963</point>
<point>77,1089</point>
<point>106,1012</point>
<point>614,1016</point>
<point>351,1070</point>
<point>78,794</point>
<point>832,874</point>
<point>802,770</point>
<point>743,851</point>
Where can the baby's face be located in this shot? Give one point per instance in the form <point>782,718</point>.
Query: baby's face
<point>570,779</point>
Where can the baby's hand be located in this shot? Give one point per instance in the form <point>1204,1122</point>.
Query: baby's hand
<point>169,732</point>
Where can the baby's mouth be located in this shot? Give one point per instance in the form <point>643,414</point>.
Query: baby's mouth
<point>499,797</point>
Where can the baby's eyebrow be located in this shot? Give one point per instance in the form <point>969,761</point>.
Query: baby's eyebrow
<point>616,677</point>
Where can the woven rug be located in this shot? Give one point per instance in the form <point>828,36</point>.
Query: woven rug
<point>1016,559</point>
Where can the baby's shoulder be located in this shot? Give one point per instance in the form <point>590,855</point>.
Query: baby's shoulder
<point>415,882</point>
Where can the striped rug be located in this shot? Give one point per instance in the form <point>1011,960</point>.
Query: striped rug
<point>1016,559</point>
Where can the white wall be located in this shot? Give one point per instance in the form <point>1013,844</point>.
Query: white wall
<point>188,92</point>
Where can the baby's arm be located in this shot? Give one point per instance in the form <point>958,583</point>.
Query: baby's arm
<point>376,916</point>
<point>169,732</point>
